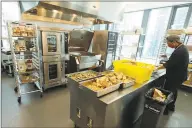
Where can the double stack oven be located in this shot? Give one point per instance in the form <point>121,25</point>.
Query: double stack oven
<point>53,53</point>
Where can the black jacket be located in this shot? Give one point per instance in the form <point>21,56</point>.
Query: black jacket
<point>177,65</point>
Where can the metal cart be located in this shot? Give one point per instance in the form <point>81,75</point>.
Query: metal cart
<point>27,33</point>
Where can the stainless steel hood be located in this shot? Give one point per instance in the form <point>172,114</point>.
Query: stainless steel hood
<point>63,12</point>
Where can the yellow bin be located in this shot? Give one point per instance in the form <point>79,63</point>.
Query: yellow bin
<point>141,72</point>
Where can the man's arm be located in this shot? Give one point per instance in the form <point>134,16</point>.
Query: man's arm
<point>173,61</point>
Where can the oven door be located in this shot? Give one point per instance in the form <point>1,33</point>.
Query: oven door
<point>51,42</point>
<point>52,72</point>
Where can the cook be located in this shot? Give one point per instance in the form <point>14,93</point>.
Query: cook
<point>176,68</point>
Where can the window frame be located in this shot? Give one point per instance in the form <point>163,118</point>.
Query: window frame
<point>187,16</point>
<point>145,21</point>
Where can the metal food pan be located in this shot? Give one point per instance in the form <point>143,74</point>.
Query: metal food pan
<point>103,91</point>
<point>129,84</point>
<point>107,72</point>
<point>97,75</point>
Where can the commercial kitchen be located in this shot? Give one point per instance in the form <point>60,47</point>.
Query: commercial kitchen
<point>73,64</point>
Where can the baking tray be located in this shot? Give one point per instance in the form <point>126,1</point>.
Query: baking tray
<point>97,75</point>
<point>100,92</point>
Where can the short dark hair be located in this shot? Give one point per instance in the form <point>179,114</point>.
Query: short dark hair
<point>173,38</point>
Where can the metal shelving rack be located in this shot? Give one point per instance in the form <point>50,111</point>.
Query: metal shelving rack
<point>184,37</point>
<point>21,54</point>
<point>188,40</point>
<point>136,46</point>
<point>163,46</point>
<point>111,49</point>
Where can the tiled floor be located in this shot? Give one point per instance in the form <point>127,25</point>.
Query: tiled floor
<point>53,109</point>
<point>50,111</point>
<point>183,114</point>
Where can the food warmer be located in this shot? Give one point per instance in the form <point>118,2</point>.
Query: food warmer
<point>86,106</point>
<point>80,57</point>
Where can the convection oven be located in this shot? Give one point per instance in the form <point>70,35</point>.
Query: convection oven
<point>53,56</point>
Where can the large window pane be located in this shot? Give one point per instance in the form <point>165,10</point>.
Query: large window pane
<point>156,29</point>
<point>103,26</point>
<point>190,21</point>
<point>180,17</point>
<point>132,20</point>
<point>129,46</point>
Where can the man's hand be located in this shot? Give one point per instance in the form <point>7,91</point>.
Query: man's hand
<point>164,56</point>
<point>160,67</point>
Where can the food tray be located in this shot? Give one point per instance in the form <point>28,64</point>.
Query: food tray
<point>106,72</point>
<point>31,79</point>
<point>87,71</point>
<point>129,84</point>
<point>103,91</point>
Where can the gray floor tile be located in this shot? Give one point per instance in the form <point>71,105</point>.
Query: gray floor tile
<point>53,109</point>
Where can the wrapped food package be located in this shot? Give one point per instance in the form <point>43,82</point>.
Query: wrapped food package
<point>158,95</point>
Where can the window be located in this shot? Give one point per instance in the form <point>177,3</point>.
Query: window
<point>129,45</point>
<point>52,43</point>
<point>156,28</point>
<point>8,14</point>
<point>99,27</point>
<point>96,27</point>
<point>180,17</point>
<point>103,26</point>
<point>133,20</point>
<point>190,21</point>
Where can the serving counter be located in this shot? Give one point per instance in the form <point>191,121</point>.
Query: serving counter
<point>121,108</point>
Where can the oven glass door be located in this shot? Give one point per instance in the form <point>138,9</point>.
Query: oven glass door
<point>52,72</point>
<point>51,43</point>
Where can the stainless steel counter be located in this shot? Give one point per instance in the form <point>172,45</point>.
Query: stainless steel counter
<point>120,108</point>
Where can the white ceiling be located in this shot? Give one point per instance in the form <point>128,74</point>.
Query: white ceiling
<point>108,10</point>
<point>113,10</point>
<point>135,6</point>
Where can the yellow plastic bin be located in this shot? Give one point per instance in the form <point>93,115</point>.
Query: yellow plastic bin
<point>141,72</point>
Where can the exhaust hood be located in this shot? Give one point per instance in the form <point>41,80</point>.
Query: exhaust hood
<point>61,12</point>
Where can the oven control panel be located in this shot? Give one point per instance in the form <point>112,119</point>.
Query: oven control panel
<point>54,58</point>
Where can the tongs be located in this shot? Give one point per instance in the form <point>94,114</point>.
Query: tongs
<point>101,62</point>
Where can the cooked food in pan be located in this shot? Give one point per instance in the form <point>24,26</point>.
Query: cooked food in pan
<point>100,83</point>
<point>120,76</point>
<point>108,80</point>
<point>83,75</point>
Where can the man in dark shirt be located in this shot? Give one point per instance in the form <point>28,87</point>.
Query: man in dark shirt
<point>176,68</point>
